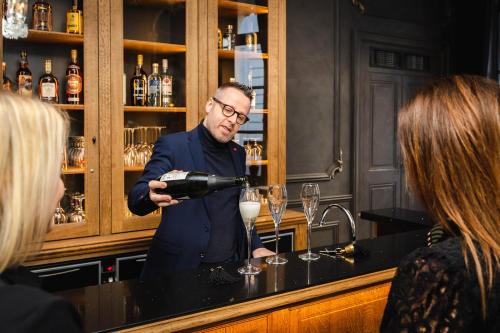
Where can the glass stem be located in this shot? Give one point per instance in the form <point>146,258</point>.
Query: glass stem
<point>309,229</point>
<point>277,232</point>
<point>249,239</point>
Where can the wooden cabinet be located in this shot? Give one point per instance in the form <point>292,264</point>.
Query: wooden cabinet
<point>185,33</point>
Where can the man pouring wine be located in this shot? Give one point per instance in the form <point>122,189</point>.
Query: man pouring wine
<point>208,229</point>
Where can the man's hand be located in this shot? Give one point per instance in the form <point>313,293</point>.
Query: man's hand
<point>262,252</point>
<point>161,200</point>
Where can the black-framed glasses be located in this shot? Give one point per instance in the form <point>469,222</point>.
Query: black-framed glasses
<point>228,111</point>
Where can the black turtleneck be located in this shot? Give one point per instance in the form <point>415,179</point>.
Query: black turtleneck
<point>222,206</point>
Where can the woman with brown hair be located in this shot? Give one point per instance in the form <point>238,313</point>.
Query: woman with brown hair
<point>32,138</point>
<point>450,141</point>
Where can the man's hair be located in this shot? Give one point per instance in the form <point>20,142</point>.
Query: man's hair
<point>246,90</point>
<point>450,141</point>
<point>32,139</point>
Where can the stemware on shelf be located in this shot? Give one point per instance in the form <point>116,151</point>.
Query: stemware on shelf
<point>277,199</point>
<point>310,201</point>
<point>249,210</point>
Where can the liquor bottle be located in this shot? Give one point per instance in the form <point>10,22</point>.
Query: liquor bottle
<point>24,79</point>
<point>229,38</point>
<point>7,83</point>
<point>191,185</point>
<point>154,91</point>
<point>74,19</point>
<point>138,88</point>
<point>42,15</point>
<point>74,80</point>
<point>48,86</point>
<point>140,63</point>
<point>166,85</point>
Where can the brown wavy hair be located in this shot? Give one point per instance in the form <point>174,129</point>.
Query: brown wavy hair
<point>450,140</point>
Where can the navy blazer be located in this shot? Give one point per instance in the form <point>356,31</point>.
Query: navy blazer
<point>181,240</point>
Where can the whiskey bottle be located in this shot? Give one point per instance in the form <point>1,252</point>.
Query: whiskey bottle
<point>138,88</point>
<point>154,91</point>
<point>42,15</point>
<point>74,19</point>
<point>48,85</point>
<point>74,80</point>
<point>229,38</point>
<point>140,63</point>
<point>7,83</point>
<point>24,79</point>
<point>166,85</point>
<point>191,185</point>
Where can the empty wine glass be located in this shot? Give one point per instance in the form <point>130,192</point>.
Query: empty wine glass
<point>249,210</point>
<point>276,200</point>
<point>310,201</point>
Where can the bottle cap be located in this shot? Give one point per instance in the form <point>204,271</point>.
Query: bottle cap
<point>140,59</point>
<point>74,54</point>
<point>48,66</point>
<point>164,63</point>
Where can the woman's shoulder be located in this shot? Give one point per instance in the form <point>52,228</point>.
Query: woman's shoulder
<point>26,308</point>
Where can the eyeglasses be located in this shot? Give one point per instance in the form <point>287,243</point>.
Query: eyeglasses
<point>228,111</point>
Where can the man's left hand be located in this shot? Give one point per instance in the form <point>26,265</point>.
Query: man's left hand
<point>262,252</point>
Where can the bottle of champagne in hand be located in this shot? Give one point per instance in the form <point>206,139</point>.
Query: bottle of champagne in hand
<point>191,185</point>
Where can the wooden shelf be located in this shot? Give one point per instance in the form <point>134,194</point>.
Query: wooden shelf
<point>153,2</point>
<point>259,111</point>
<point>231,8</point>
<point>257,162</point>
<point>231,54</point>
<point>37,36</point>
<point>72,107</point>
<point>152,47</point>
<point>129,108</point>
<point>134,168</point>
<point>73,171</point>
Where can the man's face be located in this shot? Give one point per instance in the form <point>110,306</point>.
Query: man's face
<point>221,127</point>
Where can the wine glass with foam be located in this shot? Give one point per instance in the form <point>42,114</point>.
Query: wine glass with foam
<point>249,210</point>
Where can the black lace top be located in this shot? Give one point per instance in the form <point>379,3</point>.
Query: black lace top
<point>434,292</point>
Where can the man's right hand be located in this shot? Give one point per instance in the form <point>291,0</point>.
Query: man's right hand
<point>161,200</point>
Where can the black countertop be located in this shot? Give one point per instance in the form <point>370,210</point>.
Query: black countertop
<point>130,303</point>
<point>397,215</point>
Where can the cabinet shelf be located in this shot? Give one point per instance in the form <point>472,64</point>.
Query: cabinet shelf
<point>73,171</point>
<point>70,107</point>
<point>153,2</point>
<point>37,36</point>
<point>152,47</point>
<point>231,8</point>
<point>257,162</point>
<point>129,108</point>
<point>134,168</point>
<point>231,54</point>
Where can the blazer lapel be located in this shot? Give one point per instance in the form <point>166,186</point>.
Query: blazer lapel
<point>196,151</point>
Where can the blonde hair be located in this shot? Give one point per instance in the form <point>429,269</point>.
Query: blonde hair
<point>32,138</point>
<point>450,139</point>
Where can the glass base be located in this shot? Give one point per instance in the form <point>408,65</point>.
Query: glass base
<point>249,270</point>
<point>308,256</point>
<point>276,260</point>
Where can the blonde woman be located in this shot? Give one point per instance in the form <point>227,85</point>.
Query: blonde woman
<point>32,138</point>
<point>450,140</point>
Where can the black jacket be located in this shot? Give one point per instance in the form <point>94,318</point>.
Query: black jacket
<point>26,308</point>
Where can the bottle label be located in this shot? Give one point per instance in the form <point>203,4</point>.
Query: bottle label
<point>48,90</point>
<point>153,87</point>
<point>173,176</point>
<point>166,86</point>
<point>25,85</point>
<point>74,84</point>
<point>73,23</point>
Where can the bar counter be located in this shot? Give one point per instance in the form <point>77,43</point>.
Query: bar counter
<point>189,300</point>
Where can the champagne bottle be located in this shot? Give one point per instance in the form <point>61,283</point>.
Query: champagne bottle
<point>191,185</point>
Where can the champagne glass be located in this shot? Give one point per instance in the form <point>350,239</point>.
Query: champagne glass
<point>276,200</point>
<point>310,201</point>
<point>249,210</point>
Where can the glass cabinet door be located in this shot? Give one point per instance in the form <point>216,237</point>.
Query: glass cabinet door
<point>246,51</point>
<point>153,98</point>
<point>50,44</point>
